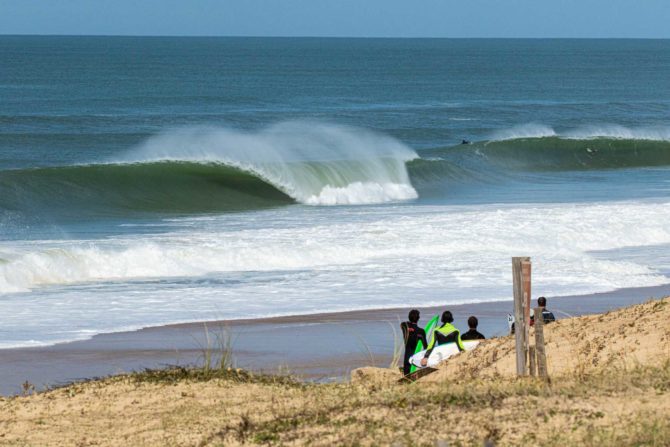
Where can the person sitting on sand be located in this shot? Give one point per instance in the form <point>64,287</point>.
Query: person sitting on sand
<point>412,334</point>
<point>547,315</point>
<point>473,334</point>
<point>447,333</point>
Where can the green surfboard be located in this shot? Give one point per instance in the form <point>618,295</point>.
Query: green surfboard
<point>429,328</point>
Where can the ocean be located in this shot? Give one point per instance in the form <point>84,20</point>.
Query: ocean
<point>148,181</point>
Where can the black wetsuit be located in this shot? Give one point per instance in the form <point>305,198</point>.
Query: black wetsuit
<point>447,333</point>
<point>547,316</point>
<point>412,334</point>
<point>472,334</point>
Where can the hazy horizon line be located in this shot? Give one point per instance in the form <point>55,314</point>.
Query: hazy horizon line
<point>335,37</point>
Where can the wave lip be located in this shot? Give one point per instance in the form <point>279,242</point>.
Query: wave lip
<point>314,163</point>
<point>657,133</point>
<point>611,131</point>
<point>530,130</point>
<point>221,169</point>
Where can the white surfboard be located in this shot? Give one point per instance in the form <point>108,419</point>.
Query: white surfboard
<point>441,353</point>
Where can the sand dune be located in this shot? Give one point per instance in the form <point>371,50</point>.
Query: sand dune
<point>610,386</point>
<point>636,335</point>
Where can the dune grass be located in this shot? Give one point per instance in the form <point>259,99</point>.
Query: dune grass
<point>620,403</point>
<point>585,410</point>
<point>228,406</point>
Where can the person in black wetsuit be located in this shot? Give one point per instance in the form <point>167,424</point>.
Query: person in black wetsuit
<point>547,315</point>
<point>412,334</point>
<point>473,334</point>
<point>447,333</point>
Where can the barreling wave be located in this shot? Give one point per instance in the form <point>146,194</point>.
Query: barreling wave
<point>216,169</point>
<point>539,148</point>
<point>535,130</point>
<point>558,153</point>
<point>115,189</point>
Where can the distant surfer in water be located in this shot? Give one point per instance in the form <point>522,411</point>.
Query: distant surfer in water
<point>465,141</point>
<point>447,333</point>
<point>412,334</point>
<point>473,334</point>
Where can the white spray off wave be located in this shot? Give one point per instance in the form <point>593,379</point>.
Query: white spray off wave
<point>534,130</point>
<point>314,163</point>
<point>530,130</point>
<point>657,133</point>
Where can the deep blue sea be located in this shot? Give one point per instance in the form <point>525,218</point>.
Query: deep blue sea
<point>146,181</point>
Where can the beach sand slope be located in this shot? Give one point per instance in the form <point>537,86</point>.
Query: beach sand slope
<point>610,385</point>
<point>622,339</point>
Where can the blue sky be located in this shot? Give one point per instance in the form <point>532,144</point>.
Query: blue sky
<point>364,18</point>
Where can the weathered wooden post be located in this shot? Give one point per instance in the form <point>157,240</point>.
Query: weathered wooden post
<point>525,277</point>
<point>520,321</point>
<point>539,344</point>
<point>531,361</point>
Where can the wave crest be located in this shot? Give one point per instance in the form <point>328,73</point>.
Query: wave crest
<point>555,153</point>
<point>314,163</point>
<point>530,130</point>
<point>613,131</point>
<point>220,169</point>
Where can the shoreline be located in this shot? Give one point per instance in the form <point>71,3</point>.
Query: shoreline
<point>316,347</point>
<point>608,371</point>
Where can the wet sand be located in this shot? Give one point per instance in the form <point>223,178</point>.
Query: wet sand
<point>315,347</point>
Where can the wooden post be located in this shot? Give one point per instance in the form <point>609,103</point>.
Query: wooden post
<point>539,344</point>
<point>525,277</point>
<point>531,360</point>
<point>520,322</point>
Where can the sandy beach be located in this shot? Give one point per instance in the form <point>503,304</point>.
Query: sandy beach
<point>322,347</point>
<point>608,386</point>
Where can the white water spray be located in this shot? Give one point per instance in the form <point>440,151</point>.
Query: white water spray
<point>534,130</point>
<point>314,163</point>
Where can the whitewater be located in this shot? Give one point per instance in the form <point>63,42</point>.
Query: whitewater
<point>252,189</point>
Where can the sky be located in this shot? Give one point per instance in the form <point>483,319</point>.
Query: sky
<point>340,18</point>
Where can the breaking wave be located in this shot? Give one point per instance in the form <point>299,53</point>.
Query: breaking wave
<point>535,147</point>
<point>555,153</point>
<point>211,169</point>
<point>218,169</point>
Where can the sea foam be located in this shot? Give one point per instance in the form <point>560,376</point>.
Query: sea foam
<point>310,260</point>
<point>440,238</point>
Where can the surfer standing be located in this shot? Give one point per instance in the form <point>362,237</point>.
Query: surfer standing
<point>547,315</point>
<point>447,333</point>
<point>412,334</point>
<point>473,333</point>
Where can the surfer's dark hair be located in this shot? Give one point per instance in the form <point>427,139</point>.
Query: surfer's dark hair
<point>473,322</point>
<point>413,316</point>
<point>447,317</point>
<point>542,301</point>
